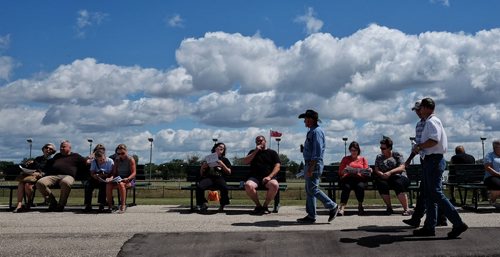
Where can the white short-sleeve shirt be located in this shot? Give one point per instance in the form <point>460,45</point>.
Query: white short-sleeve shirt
<point>434,130</point>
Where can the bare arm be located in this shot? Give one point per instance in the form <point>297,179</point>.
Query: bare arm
<point>273,173</point>
<point>226,169</point>
<point>489,168</point>
<point>248,159</point>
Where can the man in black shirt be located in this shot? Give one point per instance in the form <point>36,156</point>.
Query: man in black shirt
<point>62,170</point>
<point>264,165</point>
<point>460,157</point>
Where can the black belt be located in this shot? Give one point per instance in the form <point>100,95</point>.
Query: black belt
<point>434,155</point>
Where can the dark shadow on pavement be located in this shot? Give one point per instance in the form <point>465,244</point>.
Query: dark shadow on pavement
<point>274,224</point>
<point>378,229</point>
<point>384,239</point>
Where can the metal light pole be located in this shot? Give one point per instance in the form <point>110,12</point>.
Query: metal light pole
<point>345,145</point>
<point>278,141</point>
<point>412,141</point>
<point>482,142</point>
<point>215,140</point>
<point>90,145</point>
<point>150,155</point>
<point>30,142</point>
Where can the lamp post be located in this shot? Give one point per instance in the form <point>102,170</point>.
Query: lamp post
<point>278,141</point>
<point>482,142</point>
<point>30,142</point>
<point>150,155</point>
<point>90,145</point>
<point>345,145</point>
<point>412,141</point>
<point>215,140</point>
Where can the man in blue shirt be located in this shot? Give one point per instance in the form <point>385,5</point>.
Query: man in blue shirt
<point>314,149</point>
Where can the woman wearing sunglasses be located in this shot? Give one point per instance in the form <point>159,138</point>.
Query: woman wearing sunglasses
<point>391,175</point>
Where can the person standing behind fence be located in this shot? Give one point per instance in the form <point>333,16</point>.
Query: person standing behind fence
<point>124,168</point>
<point>354,172</point>
<point>314,149</point>
<point>264,167</point>
<point>213,176</point>
<point>432,147</point>
<point>61,170</point>
<point>492,174</point>
<point>27,182</point>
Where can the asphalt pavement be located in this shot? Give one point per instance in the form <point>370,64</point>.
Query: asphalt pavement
<point>159,230</point>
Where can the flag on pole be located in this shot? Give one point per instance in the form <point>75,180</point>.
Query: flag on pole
<point>274,133</point>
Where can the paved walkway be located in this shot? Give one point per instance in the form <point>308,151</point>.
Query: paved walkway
<point>73,233</point>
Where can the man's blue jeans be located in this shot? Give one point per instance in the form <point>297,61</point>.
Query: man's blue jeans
<point>433,168</point>
<point>313,192</point>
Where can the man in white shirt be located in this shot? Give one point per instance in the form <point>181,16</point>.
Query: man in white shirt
<point>433,145</point>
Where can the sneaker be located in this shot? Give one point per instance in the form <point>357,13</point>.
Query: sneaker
<point>442,223</point>
<point>52,203</point>
<point>59,208</point>
<point>88,208</point>
<point>412,222</point>
<point>204,208</point>
<point>389,211</point>
<point>424,232</point>
<point>265,210</point>
<point>221,208</point>
<point>361,210</point>
<point>257,210</point>
<point>333,213</point>
<point>307,220</point>
<point>457,230</point>
<point>101,207</point>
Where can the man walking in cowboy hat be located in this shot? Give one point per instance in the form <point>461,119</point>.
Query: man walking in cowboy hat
<point>314,149</point>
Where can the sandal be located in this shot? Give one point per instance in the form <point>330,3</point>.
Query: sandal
<point>19,210</point>
<point>341,211</point>
<point>406,213</point>
<point>122,209</point>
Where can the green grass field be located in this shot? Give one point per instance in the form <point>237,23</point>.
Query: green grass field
<point>169,193</point>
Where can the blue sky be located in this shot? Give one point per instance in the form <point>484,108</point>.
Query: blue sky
<point>184,72</point>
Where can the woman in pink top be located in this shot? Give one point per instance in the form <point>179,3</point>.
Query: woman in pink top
<point>353,172</point>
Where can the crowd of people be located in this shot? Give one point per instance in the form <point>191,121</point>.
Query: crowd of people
<point>389,173</point>
<point>96,171</point>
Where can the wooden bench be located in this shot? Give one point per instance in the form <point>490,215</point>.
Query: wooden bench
<point>330,180</point>
<point>467,177</point>
<point>239,174</point>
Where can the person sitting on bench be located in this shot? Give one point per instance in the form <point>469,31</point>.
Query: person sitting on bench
<point>265,165</point>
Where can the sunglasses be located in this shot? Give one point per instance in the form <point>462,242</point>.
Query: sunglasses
<point>383,148</point>
<point>121,153</point>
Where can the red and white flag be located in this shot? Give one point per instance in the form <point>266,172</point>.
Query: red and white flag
<point>274,133</point>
